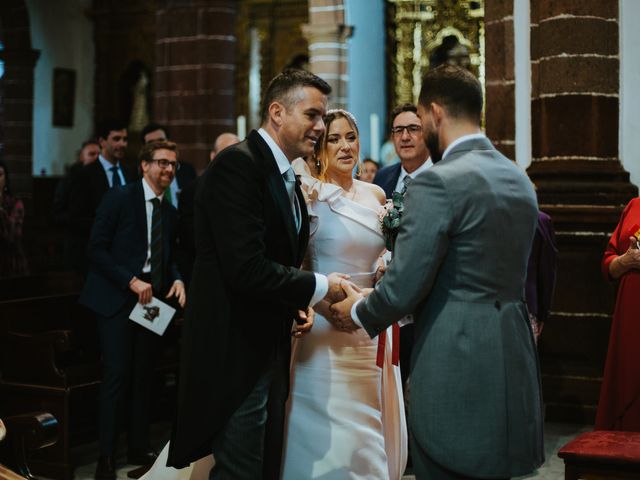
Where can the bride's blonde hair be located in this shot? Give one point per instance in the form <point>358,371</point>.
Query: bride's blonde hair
<point>320,152</point>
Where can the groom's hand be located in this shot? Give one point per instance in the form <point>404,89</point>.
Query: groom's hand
<point>303,323</point>
<point>335,293</point>
<point>341,312</point>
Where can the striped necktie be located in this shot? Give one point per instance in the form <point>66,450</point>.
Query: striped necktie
<point>156,247</point>
<point>405,183</point>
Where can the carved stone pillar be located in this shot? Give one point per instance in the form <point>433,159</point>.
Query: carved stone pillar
<point>581,183</point>
<point>194,74</point>
<point>327,35</point>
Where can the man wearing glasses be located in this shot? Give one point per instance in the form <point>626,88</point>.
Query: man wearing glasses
<point>130,260</point>
<point>408,141</point>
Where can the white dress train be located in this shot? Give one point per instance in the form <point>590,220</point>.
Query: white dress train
<point>345,415</point>
<point>196,471</point>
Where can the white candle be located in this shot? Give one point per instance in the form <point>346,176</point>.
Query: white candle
<point>374,126</point>
<point>241,127</point>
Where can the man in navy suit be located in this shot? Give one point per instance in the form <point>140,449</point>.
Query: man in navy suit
<point>130,260</point>
<point>408,139</point>
<point>186,174</point>
<point>93,181</point>
<point>406,132</point>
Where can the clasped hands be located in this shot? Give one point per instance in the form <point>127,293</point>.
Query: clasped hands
<point>341,296</point>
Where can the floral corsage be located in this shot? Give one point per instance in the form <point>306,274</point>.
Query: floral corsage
<point>390,215</point>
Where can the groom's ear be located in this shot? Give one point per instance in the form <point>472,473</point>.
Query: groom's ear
<point>276,111</point>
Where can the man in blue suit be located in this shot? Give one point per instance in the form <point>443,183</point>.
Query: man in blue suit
<point>130,260</point>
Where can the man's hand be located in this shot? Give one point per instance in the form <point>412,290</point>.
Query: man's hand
<point>335,293</point>
<point>142,289</point>
<point>303,323</point>
<point>341,312</point>
<point>177,290</point>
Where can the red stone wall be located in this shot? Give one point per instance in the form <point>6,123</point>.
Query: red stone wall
<point>194,74</point>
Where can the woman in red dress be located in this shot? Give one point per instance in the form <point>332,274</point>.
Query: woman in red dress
<point>619,407</point>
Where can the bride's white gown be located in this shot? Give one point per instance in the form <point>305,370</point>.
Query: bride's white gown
<point>345,414</point>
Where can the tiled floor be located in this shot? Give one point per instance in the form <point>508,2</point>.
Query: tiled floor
<point>556,435</point>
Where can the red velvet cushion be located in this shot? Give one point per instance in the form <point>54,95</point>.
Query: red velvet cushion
<point>604,446</point>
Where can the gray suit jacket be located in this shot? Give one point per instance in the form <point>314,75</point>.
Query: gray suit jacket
<point>459,265</point>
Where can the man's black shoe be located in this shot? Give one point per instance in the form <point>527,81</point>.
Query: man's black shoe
<point>106,468</point>
<point>137,457</point>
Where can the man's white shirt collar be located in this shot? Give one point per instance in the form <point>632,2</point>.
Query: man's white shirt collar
<point>459,140</point>
<point>106,164</point>
<point>281,159</point>
<point>422,168</point>
<point>149,194</point>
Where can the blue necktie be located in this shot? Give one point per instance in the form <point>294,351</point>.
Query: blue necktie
<point>115,178</point>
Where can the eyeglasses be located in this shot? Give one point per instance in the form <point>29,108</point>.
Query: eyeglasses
<point>164,164</point>
<point>411,129</point>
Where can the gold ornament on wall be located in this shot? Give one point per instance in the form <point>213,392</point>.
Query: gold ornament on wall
<point>424,33</point>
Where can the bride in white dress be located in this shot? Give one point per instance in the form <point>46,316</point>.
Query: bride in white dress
<point>345,416</point>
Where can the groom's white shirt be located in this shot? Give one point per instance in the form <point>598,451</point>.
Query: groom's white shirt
<point>322,284</point>
<point>457,141</point>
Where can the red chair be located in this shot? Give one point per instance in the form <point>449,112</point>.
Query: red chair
<point>602,454</point>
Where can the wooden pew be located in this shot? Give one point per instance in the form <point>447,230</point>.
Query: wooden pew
<point>49,361</point>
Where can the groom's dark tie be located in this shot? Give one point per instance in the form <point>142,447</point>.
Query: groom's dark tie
<point>156,247</point>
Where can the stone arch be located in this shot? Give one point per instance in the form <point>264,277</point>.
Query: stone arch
<point>16,93</point>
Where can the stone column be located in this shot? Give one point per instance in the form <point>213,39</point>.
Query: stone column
<point>500,76</point>
<point>17,95</point>
<point>581,183</point>
<point>194,75</point>
<point>327,35</point>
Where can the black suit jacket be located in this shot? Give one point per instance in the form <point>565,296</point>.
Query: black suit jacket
<point>245,290</point>
<point>185,175</point>
<point>118,249</point>
<point>387,178</point>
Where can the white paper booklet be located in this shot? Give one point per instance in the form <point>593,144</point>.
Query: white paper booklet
<point>155,315</point>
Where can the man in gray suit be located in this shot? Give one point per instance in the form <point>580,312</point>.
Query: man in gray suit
<point>459,266</point>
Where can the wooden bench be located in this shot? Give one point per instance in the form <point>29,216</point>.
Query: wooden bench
<point>49,360</point>
<point>25,433</point>
<point>602,455</point>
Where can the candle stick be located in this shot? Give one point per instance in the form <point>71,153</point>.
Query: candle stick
<point>241,127</point>
<point>374,125</point>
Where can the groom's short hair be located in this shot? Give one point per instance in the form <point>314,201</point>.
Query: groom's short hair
<point>284,86</point>
<point>456,89</point>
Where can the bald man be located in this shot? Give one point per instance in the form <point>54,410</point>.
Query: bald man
<point>223,141</point>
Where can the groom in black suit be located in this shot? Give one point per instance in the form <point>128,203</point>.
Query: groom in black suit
<point>251,235</point>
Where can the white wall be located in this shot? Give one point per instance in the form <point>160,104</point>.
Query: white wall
<point>629,135</point>
<point>366,91</point>
<point>64,35</point>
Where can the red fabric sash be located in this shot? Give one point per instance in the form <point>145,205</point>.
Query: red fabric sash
<point>395,346</point>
